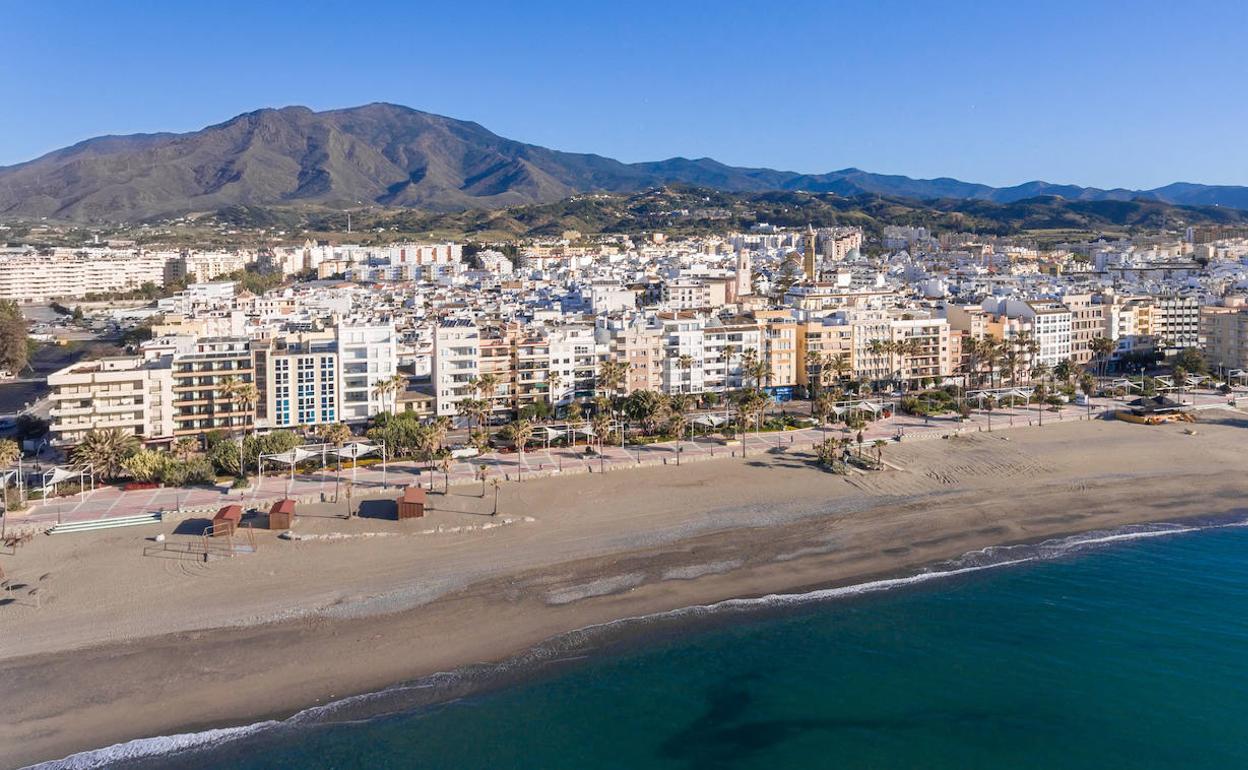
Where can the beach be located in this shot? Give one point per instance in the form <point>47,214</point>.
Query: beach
<point>125,644</point>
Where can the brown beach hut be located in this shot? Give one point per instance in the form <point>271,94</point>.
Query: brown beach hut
<point>412,503</point>
<point>282,514</point>
<point>227,520</point>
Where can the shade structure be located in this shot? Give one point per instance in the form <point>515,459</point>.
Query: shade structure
<point>709,420</point>
<point>355,450</point>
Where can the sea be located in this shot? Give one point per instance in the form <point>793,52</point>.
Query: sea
<point>1116,649</point>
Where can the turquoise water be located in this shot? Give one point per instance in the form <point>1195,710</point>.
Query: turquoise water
<point>1127,654</point>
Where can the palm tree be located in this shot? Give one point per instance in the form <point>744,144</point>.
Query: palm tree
<point>444,465</point>
<point>242,395</point>
<point>381,389</point>
<point>477,410</point>
<point>1013,359</point>
<point>601,425</point>
<point>611,376</point>
<point>839,364</point>
<point>1101,348</point>
<point>520,432</point>
<point>105,451</point>
<point>398,383</point>
<point>752,406</point>
<point>1088,385</point>
<point>1064,371</point>
<point>678,424</point>
<point>993,352</point>
<point>483,472</point>
<point>487,387</point>
<point>1180,379</point>
<point>906,349</point>
<point>337,434</point>
<point>820,408</point>
<point>749,359</point>
<point>1039,375</point>
<point>814,372</point>
<point>438,430</point>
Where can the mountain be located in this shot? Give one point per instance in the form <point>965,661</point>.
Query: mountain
<point>394,156</point>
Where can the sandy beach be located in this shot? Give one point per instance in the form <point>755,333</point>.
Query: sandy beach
<point>128,641</point>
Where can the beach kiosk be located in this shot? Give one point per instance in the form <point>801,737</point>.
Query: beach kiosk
<point>227,520</point>
<point>412,503</point>
<point>282,514</point>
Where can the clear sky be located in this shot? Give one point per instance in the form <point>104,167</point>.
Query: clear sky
<point>1098,92</point>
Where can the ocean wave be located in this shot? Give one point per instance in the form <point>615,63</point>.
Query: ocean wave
<point>449,685</point>
<point>145,748</point>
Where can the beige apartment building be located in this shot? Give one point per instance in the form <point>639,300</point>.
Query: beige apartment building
<point>200,375</point>
<point>128,393</point>
<point>1224,329</point>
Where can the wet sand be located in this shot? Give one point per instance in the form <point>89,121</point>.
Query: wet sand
<point>127,645</point>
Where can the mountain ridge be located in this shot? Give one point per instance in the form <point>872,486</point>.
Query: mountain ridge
<point>394,156</point>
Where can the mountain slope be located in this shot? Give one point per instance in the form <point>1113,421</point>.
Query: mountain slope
<point>395,156</point>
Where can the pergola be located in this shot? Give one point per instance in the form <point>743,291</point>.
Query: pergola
<point>999,393</point>
<point>709,421</point>
<point>357,449</point>
<point>53,476</point>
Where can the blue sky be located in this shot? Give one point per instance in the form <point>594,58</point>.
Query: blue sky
<point>1133,94</point>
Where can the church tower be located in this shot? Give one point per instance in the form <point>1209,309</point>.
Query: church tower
<point>744,279</point>
<point>809,255</point>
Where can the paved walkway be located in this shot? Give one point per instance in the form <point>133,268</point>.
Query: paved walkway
<point>108,502</point>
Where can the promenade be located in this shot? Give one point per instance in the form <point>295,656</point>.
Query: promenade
<point>372,481</point>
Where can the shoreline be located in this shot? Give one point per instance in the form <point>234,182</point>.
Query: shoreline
<point>192,680</point>
<point>552,655</point>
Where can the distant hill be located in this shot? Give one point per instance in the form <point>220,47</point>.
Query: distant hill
<point>681,209</point>
<point>393,156</point>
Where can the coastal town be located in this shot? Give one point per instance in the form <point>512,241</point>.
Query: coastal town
<point>370,435</point>
<point>464,355</point>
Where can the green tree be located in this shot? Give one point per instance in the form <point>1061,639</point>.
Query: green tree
<point>146,464</point>
<point>14,346</point>
<point>9,452</point>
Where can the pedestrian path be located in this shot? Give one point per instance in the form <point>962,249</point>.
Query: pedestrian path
<point>108,501</point>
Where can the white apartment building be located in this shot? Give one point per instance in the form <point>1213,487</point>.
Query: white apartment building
<point>456,351</point>
<point>574,358</point>
<point>297,379</point>
<point>723,345</point>
<point>1050,327</point>
<point>683,339</point>
<point>66,273</point>
<point>367,354</point>
<point>129,393</point>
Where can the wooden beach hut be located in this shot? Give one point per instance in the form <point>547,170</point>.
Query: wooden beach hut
<point>282,514</point>
<point>227,520</point>
<point>412,503</point>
